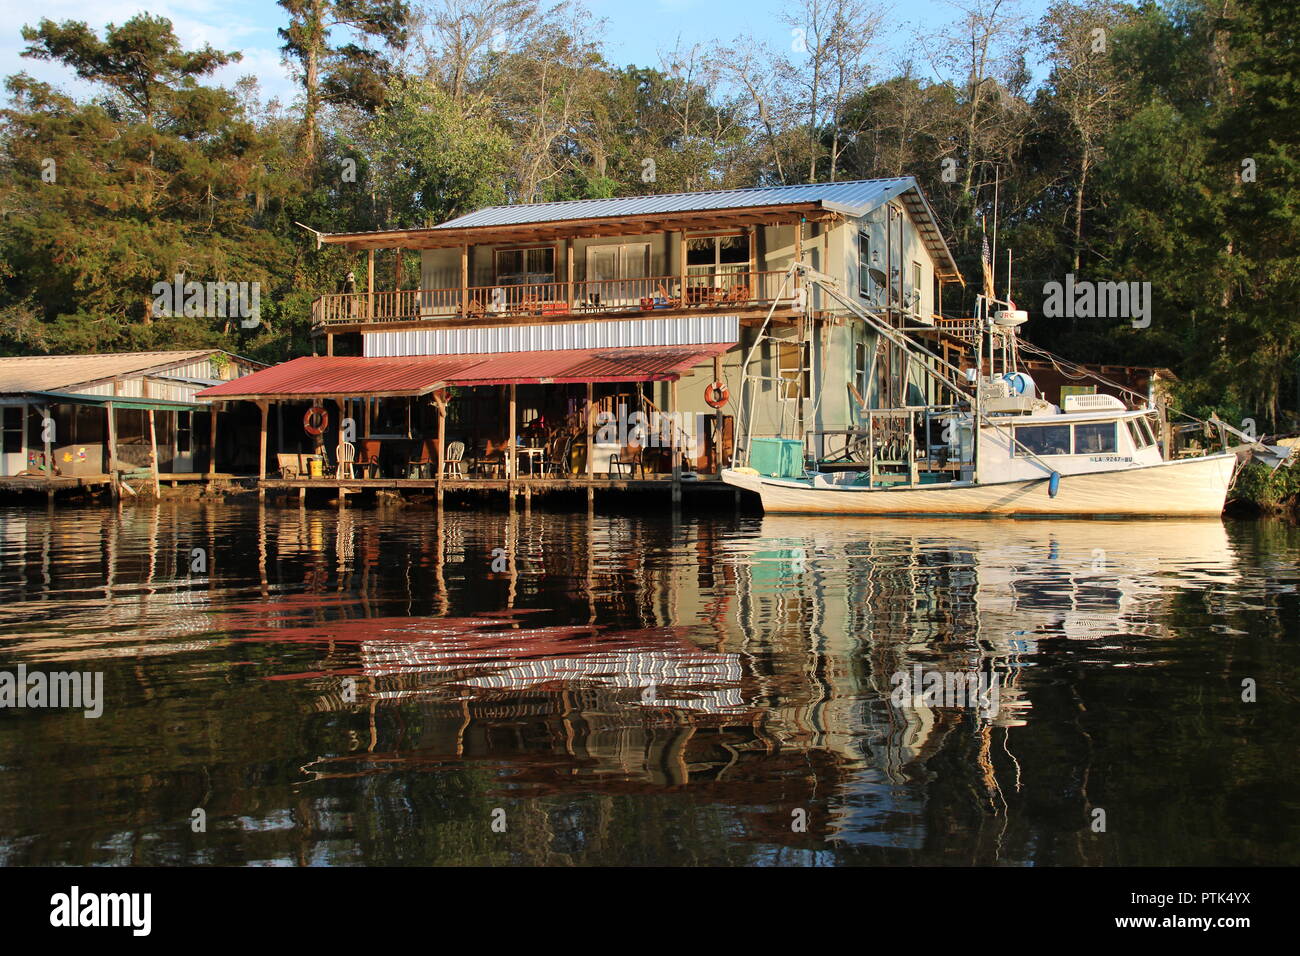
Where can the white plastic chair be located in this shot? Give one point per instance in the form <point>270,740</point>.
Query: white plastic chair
<point>451,463</point>
<point>347,454</point>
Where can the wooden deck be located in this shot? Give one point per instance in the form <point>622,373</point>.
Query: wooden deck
<point>655,483</point>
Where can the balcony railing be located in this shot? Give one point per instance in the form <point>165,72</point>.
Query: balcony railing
<point>716,291</point>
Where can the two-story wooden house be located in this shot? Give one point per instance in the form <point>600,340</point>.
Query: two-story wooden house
<point>550,325</point>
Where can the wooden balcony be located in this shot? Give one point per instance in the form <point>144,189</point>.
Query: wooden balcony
<point>712,292</point>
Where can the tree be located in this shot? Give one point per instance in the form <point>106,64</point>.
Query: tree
<point>353,73</point>
<point>105,199</point>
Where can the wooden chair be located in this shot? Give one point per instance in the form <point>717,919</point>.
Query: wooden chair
<point>451,463</point>
<point>631,457</point>
<point>556,460</point>
<point>289,465</point>
<point>347,455</point>
<point>426,458</point>
<point>368,457</point>
<point>486,461</point>
<point>737,295</point>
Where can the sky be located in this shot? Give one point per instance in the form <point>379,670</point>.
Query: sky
<point>635,31</point>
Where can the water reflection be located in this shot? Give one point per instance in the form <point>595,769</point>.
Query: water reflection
<point>371,685</point>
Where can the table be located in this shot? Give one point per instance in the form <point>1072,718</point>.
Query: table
<point>534,456</point>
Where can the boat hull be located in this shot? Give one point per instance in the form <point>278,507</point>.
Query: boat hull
<point>1188,487</point>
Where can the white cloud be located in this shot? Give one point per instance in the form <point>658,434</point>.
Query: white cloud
<point>246,27</point>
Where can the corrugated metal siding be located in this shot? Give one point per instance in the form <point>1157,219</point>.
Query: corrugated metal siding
<point>864,194</point>
<point>629,333</point>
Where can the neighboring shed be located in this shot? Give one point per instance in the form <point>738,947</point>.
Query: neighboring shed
<point>57,412</point>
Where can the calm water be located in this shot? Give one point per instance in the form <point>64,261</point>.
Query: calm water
<point>382,686</point>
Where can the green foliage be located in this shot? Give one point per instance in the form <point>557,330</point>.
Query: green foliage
<point>1266,489</point>
<point>435,157</point>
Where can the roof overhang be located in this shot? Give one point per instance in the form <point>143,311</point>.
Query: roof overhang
<point>117,401</point>
<point>325,377</point>
<point>438,237</point>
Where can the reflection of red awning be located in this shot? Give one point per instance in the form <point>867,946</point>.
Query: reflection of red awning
<point>323,376</point>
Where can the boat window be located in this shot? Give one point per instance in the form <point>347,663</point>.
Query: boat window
<point>1043,439</point>
<point>1148,430</point>
<point>1141,432</point>
<point>1095,438</point>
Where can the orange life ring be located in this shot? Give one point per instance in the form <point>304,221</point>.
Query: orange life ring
<point>716,394</point>
<point>315,421</point>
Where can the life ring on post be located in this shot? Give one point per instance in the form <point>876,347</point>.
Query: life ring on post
<point>316,421</point>
<point>717,394</point>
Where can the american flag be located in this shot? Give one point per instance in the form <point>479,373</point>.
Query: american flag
<point>986,261</point>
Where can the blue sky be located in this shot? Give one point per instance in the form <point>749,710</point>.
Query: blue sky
<point>635,32</point>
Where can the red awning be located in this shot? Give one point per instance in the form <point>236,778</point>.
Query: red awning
<point>323,376</point>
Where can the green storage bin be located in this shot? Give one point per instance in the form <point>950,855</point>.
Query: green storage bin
<point>776,457</point>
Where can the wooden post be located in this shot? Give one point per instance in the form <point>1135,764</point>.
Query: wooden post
<point>798,251</point>
<point>568,255</point>
<point>681,266</point>
<point>591,431</point>
<point>265,408</point>
<point>753,270</point>
<point>442,440</point>
<point>512,453</point>
<point>47,422</point>
<point>718,418</point>
<point>153,446</point>
<point>397,272</point>
<point>370,286</point>
<point>677,461</point>
<point>112,451</point>
<point>464,280</point>
<point>212,441</point>
<point>329,343</point>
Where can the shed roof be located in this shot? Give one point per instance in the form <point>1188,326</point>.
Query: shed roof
<point>54,373</point>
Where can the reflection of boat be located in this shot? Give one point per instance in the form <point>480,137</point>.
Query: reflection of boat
<point>986,442</point>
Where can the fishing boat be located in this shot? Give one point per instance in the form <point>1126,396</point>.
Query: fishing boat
<point>994,446</point>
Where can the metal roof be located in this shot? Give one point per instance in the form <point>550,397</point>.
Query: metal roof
<point>579,217</point>
<point>855,198</point>
<point>54,373</point>
<point>324,376</point>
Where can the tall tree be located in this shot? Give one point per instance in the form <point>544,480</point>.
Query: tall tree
<point>162,175</point>
<point>353,72</point>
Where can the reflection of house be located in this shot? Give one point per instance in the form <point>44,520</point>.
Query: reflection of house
<point>84,416</point>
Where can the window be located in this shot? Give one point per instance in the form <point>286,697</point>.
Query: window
<point>1043,439</point>
<point>915,302</point>
<point>12,438</point>
<point>1095,438</point>
<point>1139,430</point>
<point>184,432</point>
<point>792,367</point>
<point>526,266</point>
<point>710,257</point>
<point>864,265</point>
<point>860,368</point>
